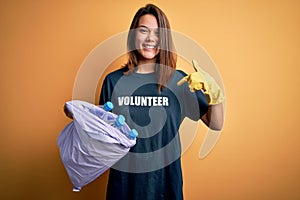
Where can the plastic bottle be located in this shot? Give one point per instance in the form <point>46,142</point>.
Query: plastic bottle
<point>133,134</point>
<point>108,106</point>
<point>119,122</point>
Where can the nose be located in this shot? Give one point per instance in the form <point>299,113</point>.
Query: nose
<point>151,37</point>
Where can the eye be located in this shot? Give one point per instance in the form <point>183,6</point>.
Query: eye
<point>143,30</point>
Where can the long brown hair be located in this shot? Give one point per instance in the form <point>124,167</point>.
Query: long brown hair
<point>166,58</point>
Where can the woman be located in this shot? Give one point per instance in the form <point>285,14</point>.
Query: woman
<point>145,90</point>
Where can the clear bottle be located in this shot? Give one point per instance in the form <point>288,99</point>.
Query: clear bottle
<point>133,134</point>
<point>119,122</point>
<point>103,113</point>
<point>108,106</point>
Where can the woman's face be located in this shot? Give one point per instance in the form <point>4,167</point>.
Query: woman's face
<point>147,38</point>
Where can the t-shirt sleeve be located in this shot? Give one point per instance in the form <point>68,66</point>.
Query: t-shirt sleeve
<point>108,85</point>
<point>194,103</point>
<point>106,89</point>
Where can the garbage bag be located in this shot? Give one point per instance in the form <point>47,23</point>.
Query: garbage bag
<point>90,145</point>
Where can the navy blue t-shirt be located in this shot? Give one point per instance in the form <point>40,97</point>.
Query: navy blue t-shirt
<point>152,168</point>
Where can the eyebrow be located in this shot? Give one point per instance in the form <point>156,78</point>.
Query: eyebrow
<point>143,26</point>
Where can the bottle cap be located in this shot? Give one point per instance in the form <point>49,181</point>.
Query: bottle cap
<point>108,106</point>
<point>120,121</point>
<point>133,133</point>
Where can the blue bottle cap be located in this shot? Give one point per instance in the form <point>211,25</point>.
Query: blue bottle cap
<point>133,133</point>
<point>120,121</point>
<point>108,106</point>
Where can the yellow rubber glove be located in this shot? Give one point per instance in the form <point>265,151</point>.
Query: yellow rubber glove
<point>201,80</point>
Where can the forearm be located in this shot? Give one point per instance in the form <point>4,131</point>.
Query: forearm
<point>214,117</point>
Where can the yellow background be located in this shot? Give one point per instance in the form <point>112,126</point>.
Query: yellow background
<point>255,45</point>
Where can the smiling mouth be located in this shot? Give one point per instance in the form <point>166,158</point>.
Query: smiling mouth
<point>147,46</point>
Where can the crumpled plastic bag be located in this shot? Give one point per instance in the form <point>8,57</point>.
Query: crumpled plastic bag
<point>89,145</point>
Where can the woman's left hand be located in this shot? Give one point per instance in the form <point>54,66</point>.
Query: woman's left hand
<point>201,80</point>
